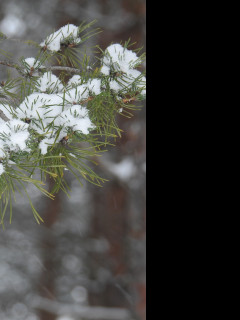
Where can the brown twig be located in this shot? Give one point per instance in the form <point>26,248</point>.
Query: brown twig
<point>87,100</point>
<point>128,100</point>
<point>8,64</point>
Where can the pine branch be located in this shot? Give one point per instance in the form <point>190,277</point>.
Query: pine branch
<point>57,123</point>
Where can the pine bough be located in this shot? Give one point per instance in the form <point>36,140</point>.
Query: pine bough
<point>50,123</point>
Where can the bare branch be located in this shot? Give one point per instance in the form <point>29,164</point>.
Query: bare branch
<point>66,69</point>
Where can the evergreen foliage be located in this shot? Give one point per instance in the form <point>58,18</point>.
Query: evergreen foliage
<point>59,112</point>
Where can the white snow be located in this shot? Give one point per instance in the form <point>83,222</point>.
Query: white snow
<point>7,110</point>
<point>75,80</point>
<point>30,62</point>
<point>75,95</point>
<point>76,118</point>
<point>94,86</point>
<point>44,144</point>
<point>1,169</point>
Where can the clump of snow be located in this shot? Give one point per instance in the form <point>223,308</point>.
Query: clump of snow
<point>133,80</point>
<point>30,64</point>
<point>14,135</point>
<point>40,106</point>
<point>94,86</point>
<point>80,93</point>
<point>120,63</point>
<point>118,59</point>
<point>69,32</point>
<point>75,80</point>
<point>75,118</point>
<point>45,143</point>
<point>75,95</point>
<point>49,83</point>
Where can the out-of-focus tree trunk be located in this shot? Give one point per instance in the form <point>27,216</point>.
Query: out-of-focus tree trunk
<point>48,247</point>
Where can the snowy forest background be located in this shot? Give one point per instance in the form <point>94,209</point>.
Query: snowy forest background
<point>88,260</point>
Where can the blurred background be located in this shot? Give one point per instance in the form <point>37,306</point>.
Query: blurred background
<point>88,260</point>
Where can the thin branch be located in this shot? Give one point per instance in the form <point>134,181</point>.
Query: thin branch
<point>3,117</point>
<point>53,68</point>
<point>66,69</point>
<point>9,64</point>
